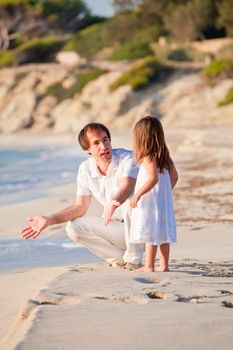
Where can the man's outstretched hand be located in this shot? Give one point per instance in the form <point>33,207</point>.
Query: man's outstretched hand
<point>109,210</point>
<point>37,224</point>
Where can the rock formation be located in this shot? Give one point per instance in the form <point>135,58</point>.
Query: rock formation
<point>24,103</point>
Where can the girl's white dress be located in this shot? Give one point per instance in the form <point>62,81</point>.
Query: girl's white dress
<point>153,220</point>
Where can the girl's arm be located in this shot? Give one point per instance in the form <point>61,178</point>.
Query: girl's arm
<point>173,175</point>
<point>152,173</point>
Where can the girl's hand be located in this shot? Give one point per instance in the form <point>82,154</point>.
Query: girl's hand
<point>134,200</point>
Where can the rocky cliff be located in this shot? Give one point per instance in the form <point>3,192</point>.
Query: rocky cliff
<point>185,96</point>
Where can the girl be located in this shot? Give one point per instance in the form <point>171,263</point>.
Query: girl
<point>153,219</point>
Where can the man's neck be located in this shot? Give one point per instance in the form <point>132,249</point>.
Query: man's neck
<point>103,168</point>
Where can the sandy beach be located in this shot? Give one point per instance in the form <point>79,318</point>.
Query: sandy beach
<point>86,306</point>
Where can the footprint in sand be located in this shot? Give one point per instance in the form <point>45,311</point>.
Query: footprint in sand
<point>157,295</point>
<point>145,280</point>
<point>162,283</point>
<point>203,298</point>
<point>227,304</point>
<point>128,299</point>
<point>73,299</point>
<point>81,269</point>
<point>58,299</point>
<point>191,299</point>
<point>219,273</point>
<point>226,292</point>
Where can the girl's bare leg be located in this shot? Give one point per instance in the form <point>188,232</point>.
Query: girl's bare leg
<point>164,257</point>
<point>150,259</point>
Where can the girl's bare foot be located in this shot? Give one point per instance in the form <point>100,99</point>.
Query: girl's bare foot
<point>144,269</point>
<point>163,269</point>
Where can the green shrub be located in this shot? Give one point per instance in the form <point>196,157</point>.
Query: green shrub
<point>142,74</point>
<point>7,59</point>
<point>228,98</point>
<point>219,69</point>
<point>148,34</point>
<point>178,54</point>
<point>39,49</point>
<point>4,3</point>
<point>16,42</point>
<point>88,41</point>
<point>86,78</point>
<point>131,51</point>
<point>61,94</point>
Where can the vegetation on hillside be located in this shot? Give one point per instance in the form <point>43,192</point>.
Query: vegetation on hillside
<point>7,59</point>
<point>132,50</point>
<point>142,74</point>
<point>149,30</point>
<point>219,69</point>
<point>84,78</point>
<point>130,32</point>
<point>27,19</point>
<point>227,99</point>
<point>39,49</point>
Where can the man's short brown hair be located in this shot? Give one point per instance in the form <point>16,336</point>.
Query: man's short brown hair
<point>82,137</point>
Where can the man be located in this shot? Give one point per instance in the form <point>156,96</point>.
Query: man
<point>110,176</point>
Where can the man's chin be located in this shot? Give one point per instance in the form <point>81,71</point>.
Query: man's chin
<point>107,157</point>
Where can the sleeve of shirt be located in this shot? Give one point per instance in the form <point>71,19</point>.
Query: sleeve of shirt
<point>130,169</point>
<point>82,187</point>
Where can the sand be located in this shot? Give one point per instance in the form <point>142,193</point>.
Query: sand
<point>94,306</point>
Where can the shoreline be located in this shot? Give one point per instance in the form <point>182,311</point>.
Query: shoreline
<point>120,138</point>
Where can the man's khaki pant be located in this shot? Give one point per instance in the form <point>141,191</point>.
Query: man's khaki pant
<point>110,242</point>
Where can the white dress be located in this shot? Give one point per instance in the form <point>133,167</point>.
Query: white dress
<point>153,220</point>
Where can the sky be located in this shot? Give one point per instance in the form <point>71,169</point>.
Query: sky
<point>100,7</point>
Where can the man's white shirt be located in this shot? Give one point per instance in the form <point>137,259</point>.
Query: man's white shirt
<point>91,182</point>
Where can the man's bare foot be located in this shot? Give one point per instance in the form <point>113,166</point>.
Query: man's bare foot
<point>132,267</point>
<point>163,269</point>
<point>144,269</point>
<point>118,264</point>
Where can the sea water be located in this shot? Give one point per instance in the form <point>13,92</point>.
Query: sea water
<point>25,174</point>
<point>26,169</point>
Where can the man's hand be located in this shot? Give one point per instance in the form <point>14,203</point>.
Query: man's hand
<point>37,225</point>
<point>109,210</point>
<point>134,200</point>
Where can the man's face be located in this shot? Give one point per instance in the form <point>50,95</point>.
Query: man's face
<point>100,146</point>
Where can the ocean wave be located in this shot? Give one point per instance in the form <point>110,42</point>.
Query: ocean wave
<point>17,246</point>
<point>24,169</point>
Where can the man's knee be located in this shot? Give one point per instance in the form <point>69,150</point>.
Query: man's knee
<point>75,229</point>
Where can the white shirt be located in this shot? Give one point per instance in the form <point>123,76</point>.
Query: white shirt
<point>91,182</point>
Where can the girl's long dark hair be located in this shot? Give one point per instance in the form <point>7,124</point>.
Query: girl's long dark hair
<point>149,141</point>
